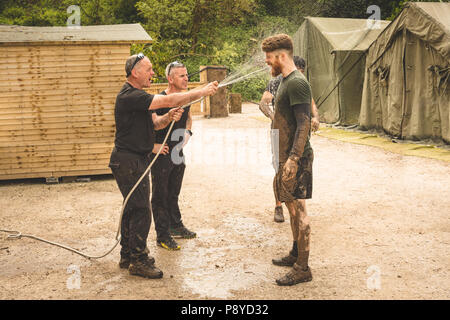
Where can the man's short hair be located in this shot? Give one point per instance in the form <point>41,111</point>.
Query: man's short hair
<point>132,62</point>
<point>277,42</point>
<point>173,65</point>
<point>299,62</point>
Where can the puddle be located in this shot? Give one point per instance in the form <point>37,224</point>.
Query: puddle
<point>219,283</point>
<point>215,271</point>
<point>210,275</point>
<point>247,227</point>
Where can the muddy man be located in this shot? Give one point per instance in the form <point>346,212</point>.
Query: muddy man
<point>293,181</point>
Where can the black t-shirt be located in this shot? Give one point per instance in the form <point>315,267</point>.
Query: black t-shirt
<point>273,85</point>
<point>134,125</point>
<point>180,124</point>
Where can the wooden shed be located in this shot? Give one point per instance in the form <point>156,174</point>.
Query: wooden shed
<point>57,93</point>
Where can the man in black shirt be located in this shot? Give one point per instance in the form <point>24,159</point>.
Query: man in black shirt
<point>168,170</point>
<point>134,142</point>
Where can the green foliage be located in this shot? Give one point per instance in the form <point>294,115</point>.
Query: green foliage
<point>251,89</point>
<point>197,32</point>
<point>33,13</point>
<point>54,12</point>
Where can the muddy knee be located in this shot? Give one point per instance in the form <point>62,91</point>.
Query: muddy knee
<point>304,227</point>
<point>301,205</point>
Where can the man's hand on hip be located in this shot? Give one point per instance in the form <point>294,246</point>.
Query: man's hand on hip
<point>157,146</point>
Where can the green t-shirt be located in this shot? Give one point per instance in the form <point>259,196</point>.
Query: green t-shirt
<point>293,90</point>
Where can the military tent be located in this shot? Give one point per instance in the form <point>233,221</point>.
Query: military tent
<point>334,50</point>
<point>406,91</point>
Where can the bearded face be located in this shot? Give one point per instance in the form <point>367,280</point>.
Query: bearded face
<point>276,67</point>
<point>273,60</point>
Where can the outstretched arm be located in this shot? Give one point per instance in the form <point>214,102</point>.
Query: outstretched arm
<point>182,98</point>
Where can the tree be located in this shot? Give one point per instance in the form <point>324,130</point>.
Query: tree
<point>193,30</point>
<point>32,13</point>
<point>196,32</point>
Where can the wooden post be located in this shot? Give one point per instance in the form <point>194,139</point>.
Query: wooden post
<point>215,106</point>
<point>235,102</point>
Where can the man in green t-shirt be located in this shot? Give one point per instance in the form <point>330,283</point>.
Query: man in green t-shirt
<point>293,181</point>
<point>267,98</point>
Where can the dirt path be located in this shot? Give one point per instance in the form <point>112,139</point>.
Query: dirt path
<point>380,227</point>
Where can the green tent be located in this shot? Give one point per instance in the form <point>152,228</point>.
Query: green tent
<point>406,91</point>
<point>334,50</point>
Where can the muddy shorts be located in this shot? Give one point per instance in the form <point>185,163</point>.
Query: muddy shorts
<point>299,187</point>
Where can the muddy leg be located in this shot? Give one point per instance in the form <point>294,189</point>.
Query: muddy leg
<point>294,216</point>
<point>278,214</point>
<point>304,231</point>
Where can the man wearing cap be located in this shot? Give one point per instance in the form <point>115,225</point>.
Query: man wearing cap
<point>168,170</point>
<point>133,144</point>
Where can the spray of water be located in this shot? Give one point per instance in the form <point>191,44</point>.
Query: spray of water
<point>228,81</point>
<point>256,65</point>
<point>251,68</point>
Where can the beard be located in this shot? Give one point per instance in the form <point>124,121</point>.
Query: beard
<point>276,68</point>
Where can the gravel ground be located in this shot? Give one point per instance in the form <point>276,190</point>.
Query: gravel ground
<point>380,226</point>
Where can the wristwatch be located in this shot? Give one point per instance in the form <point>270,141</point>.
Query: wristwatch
<point>189,131</point>
<point>294,158</point>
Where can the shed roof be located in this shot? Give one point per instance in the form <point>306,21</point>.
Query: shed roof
<point>347,33</point>
<point>109,33</point>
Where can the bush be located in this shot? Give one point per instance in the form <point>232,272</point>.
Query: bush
<point>251,89</point>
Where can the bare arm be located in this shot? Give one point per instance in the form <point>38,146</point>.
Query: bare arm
<point>315,121</point>
<point>187,135</point>
<point>189,120</point>
<point>160,122</point>
<point>266,99</point>
<point>182,98</point>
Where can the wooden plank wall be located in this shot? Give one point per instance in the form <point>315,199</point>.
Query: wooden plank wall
<point>196,108</point>
<point>57,108</point>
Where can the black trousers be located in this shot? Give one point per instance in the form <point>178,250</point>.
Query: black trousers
<point>167,178</point>
<point>127,168</point>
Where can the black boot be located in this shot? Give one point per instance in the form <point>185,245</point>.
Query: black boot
<point>290,259</point>
<point>145,268</point>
